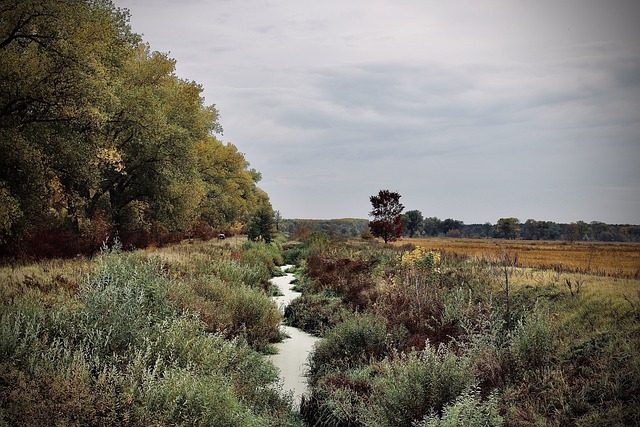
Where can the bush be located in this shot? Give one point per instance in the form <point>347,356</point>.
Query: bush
<point>533,343</point>
<point>237,273</point>
<point>468,410</point>
<point>349,278</point>
<point>316,313</point>
<point>339,398</point>
<point>410,386</point>
<point>179,397</point>
<point>234,310</point>
<point>354,342</point>
<point>130,350</point>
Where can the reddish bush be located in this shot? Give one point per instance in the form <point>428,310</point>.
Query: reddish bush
<point>349,278</point>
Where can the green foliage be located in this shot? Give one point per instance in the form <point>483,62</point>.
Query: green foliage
<point>413,385</point>
<point>262,225</point>
<point>412,222</point>
<point>468,410</point>
<point>131,348</point>
<point>353,342</point>
<point>556,359</point>
<point>533,340</point>
<point>509,228</point>
<point>316,313</point>
<point>100,135</point>
<point>179,397</point>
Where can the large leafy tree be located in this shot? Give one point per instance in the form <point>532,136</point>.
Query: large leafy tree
<point>95,128</point>
<point>387,215</point>
<point>508,228</point>
<point>57,60</point>
<point>262,224</point>
<point>412,221</point>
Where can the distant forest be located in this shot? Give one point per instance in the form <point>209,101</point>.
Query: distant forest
<point>505,228</point>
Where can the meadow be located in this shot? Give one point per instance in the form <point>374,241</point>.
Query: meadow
<point>161,336</point>
<point>598,258</point>
<point>417,333</point>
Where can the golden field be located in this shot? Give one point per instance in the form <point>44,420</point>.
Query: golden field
<point>599,258</point>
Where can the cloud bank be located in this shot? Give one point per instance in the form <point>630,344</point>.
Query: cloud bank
<point>473,111</point>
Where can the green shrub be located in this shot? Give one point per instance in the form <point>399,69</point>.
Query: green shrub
<point>339,398</point>
<point>410,386</point>
<point>295,254</point>
<point>533,343</point>
<point>179,397</point>
<point>356,341</point>
<point>132,350</point>
<point>237,273</point>
<point>235,311</point>
<point>468,410</point>
<point>260,252</point>
<point>255,316</point>
<point>316,313</point>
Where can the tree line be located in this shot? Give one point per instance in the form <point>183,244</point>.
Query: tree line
<point>415,225</point>
<point>99,137</point>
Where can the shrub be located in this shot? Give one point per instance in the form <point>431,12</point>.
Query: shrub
<point>255,316</point>
<point>179,397</point>
<point>468,410</point>
<point>338,398</point>
<point>410,386</point>
<point>354,342</point>
<point>234,310</point>
<point>124,353</point>
<point>349,278</point>
<point>316,313</point>
<point>237,273</point>
<point>533,341</point>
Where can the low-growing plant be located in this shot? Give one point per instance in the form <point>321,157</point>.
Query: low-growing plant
<point>133,347</point>
<point>354,342</point>
<point>350,278</point>
<point>179,397</point>
<point>533,343</point>
<point>410,386</point>
<point>316,313</point>
<point>468,410</point>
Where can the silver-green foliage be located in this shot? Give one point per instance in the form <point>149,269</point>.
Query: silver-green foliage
<point>123,346</point>
<point>415,384</point>
<point>468,410</point>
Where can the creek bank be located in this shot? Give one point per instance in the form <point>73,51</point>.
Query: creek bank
<point>294,350</point>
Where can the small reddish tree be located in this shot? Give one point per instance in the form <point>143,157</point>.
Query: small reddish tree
<point>387,215</point>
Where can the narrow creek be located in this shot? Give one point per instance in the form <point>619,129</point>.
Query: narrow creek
<point>293,351</point>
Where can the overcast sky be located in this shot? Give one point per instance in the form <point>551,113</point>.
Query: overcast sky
<point>472,110</point>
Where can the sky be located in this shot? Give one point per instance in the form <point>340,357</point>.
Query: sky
<point>472,110</point>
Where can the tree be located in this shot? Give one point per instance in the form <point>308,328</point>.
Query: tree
<point>262,225</point>
<point>387,215</point>
<point>98,130</point>
<point>431,226</point>
<point>450,224</point>
<point>412,221</point>
<point>277,217</point>
<point>508,228</point>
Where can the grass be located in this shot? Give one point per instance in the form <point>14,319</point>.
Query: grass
<point>169,336</point>
<point>599,258</point>
<point>558,346</point>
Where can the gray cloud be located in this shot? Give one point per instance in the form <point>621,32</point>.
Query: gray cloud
<point>471,110</point>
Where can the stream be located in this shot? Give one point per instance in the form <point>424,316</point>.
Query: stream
<point>293,351</point>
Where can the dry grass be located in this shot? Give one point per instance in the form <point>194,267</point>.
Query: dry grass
<point>597,258</point>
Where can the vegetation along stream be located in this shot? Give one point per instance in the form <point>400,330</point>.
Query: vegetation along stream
<point>293,350</point>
